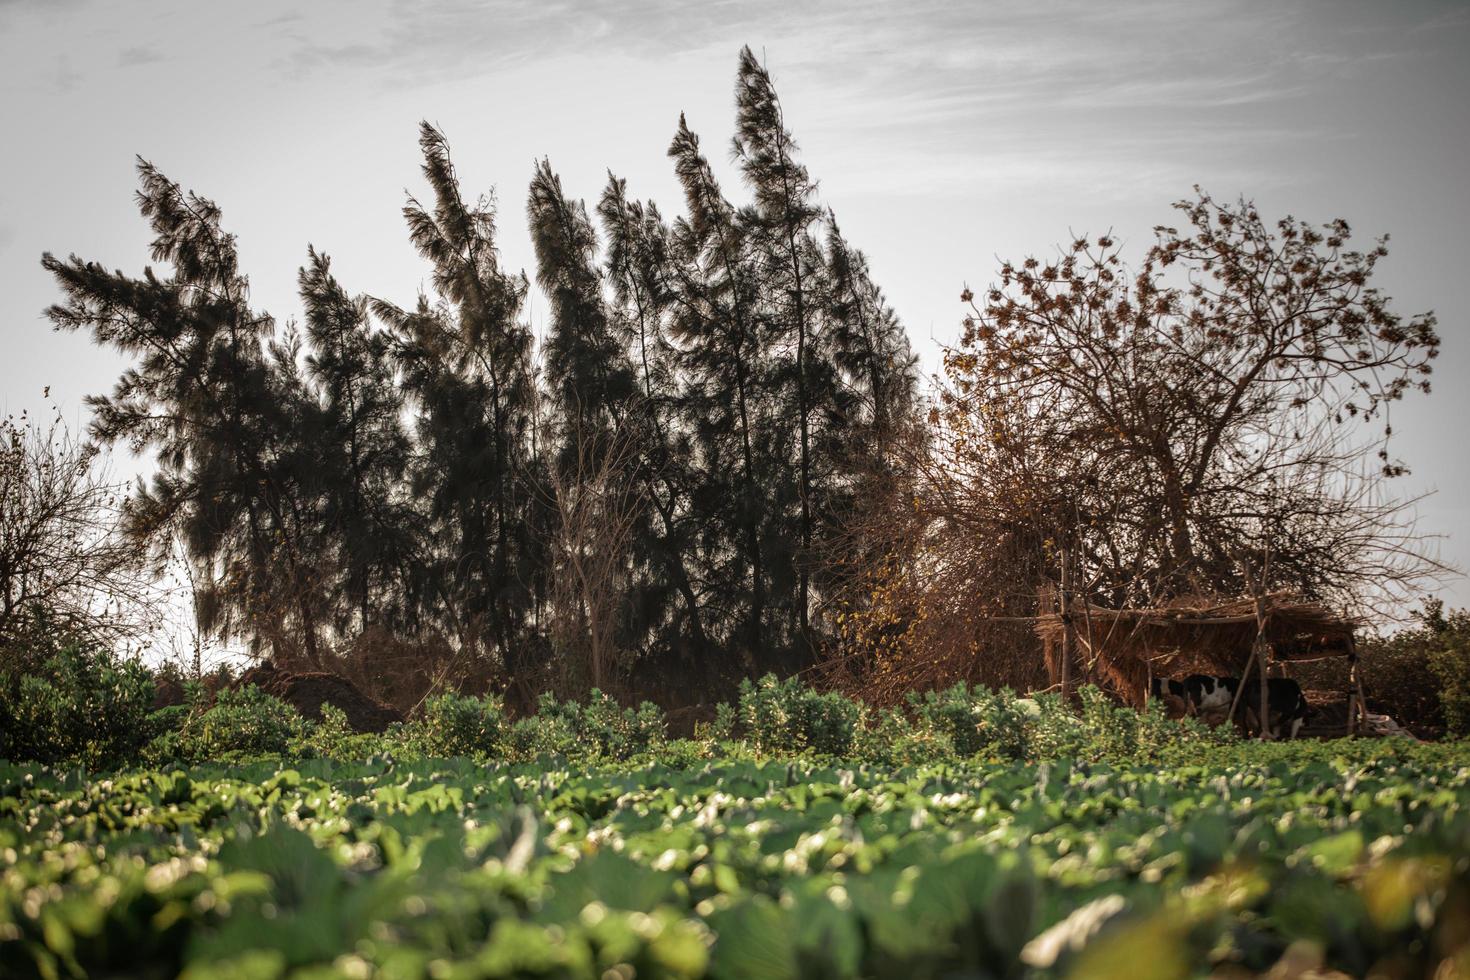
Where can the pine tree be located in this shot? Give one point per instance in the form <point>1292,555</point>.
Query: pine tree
<point>467,363</point>
<point>716,324</point>
<point>784,214</point>
<point>362,451</point>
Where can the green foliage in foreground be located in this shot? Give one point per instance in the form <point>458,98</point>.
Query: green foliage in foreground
<point>1352,855</point>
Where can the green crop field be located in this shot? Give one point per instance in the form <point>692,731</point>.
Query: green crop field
<point>1340,856</point>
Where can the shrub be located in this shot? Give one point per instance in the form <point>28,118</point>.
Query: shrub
<point>334,738</point>
<point>1448,656</point>
<point>974,720</point>
<point>787,716</point>
<point>615,732</point>
<point>896,740</point>
<point>1420,675</point>
<point>455,725</point>
<point>241,723</point>
<point>168,719</point>
<point>551,731</point>
<point>599,729</point>
<point>79,705</point>
<point>684,753</point>
<point>965,722</point>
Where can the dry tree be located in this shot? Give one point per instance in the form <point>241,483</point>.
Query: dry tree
<point>64,567</point>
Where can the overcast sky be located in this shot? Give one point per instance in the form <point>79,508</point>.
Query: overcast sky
<point>945,135</point>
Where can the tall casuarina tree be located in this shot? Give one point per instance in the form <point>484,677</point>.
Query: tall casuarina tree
<point>203,397</point>
<point>418,478</point>
<point>869,347</point>
<point>785,211</point>
<point>587,366</point>
<point>640,272</point>
<point>467,363</point>
<point>361,453</point>
<point>716,323</point>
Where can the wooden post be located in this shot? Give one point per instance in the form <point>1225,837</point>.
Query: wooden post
<point>1260,652</point>
<point>1240,689</point>
<point>1068,647</point>
<point>1357,699</point>
<point>1352,695</point>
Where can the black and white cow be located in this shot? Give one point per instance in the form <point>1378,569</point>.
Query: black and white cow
<point>1206,693</point>
<point>1162,686</point>
<point>1287,707</point>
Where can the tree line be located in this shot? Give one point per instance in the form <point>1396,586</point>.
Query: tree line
<point>718,460</point>
<point>652,483</point>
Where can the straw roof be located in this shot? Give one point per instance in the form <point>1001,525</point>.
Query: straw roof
<point>1128,645</point>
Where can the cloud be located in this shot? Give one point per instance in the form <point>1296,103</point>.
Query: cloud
<point>289,17</point>
<point>132,57</point>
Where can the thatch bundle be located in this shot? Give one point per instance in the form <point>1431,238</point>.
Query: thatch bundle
<point>1124,647</point>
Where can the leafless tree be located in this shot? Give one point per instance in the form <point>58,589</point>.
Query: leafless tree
<point>597,498</point>
<point>62,560</point>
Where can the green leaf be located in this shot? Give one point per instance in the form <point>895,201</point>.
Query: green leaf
<point>753,942</point>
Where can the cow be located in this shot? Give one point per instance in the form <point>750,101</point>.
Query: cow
<point>1211,697</point>
<point>1286,705</point>
<point>1208,694</point>
<point>1162,686</point>
<point>1171,693</point>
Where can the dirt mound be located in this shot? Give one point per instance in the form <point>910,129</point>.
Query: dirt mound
<point>308,691</point>
<point>167,692</point>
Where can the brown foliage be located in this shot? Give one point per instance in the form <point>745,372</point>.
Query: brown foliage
<point>1194,427</point>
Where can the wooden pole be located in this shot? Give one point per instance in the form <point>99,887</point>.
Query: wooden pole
<point>1240,689</point>
<point>1362,699</point>
<point>1260,651</point>
<point>1352,695</point>
<point>1067,644</point>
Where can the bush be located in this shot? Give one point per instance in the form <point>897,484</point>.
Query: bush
<point>454,725</point>
<point>168,719</point>
<point>1419,675</point>
<point>241,723</point>
<point>600,729</point>
<point>76,706</point>
<point>551,731</point>
<point>966,722</point>
<point>894,739</point>
<point>1449,660</point>
<point>333,738</point>
<point>975,720</point>
<point>787,716</point>
<point>614,732</point>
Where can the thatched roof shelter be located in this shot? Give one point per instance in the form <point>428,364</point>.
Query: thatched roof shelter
<point>1128,646</point>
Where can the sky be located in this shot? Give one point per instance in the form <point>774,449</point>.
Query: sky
<point>947,137</point>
